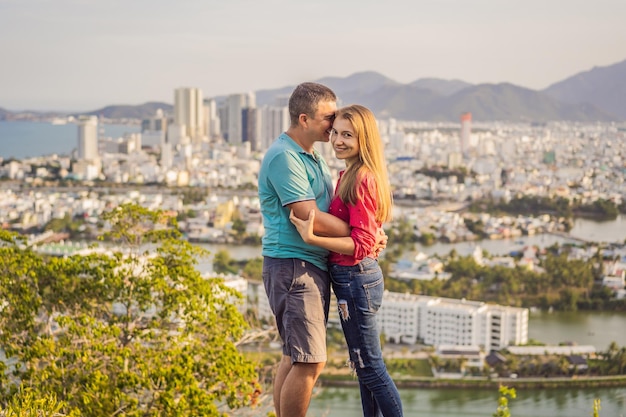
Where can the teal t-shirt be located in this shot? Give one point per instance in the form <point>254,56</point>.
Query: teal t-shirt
<point>289,174</point>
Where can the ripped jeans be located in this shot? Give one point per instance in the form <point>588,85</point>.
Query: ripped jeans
<point>359,291</point>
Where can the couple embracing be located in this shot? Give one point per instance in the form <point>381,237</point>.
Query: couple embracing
<point>317,237</point>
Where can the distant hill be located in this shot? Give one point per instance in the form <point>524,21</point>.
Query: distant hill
<point>508,102</point>
<point>358,84</point>
<point>403,102</point>
<point>141,111</point>
<point>439,86</point>
<point>604,87</point>
<point>432,99</point>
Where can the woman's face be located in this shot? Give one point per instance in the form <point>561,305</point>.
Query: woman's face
<point>344,141</point>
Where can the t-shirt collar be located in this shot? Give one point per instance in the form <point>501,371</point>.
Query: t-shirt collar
<point>292,145</point>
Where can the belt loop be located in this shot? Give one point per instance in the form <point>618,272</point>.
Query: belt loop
<point>361,266</point>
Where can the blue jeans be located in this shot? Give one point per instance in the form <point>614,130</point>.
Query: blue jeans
<point>359,290</point>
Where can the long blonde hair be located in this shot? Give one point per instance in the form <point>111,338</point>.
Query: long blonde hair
<point>371,159</point>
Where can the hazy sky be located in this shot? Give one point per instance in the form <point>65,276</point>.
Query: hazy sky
<point>84,54</point>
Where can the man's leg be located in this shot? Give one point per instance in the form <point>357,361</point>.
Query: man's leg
<point>297,389</point>
<point>281,374</point>
<point>299,294</point>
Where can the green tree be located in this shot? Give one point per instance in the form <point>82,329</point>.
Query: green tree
<point>135,332</point>
<point>26,404</point>
<point>253,270</point>
<point>223,263</point>
<point>239,228</point>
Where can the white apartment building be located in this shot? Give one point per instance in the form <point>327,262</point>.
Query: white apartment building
<point>436,321</point>
<point>238,284</point>
<point>258,297</point>
<point>88,138</point>
<point>211,118</point>
<point>407,318</point>
<point>189,112</point>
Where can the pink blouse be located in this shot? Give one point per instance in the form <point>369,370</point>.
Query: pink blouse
<point>362,219</point>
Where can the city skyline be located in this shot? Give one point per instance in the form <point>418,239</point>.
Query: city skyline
<point>77,56</point>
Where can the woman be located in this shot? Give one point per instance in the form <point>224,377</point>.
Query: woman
<point>363,200</point>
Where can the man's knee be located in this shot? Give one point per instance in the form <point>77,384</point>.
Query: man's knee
<point>312,370</point>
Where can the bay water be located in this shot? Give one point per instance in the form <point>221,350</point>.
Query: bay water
<point>26,139</point>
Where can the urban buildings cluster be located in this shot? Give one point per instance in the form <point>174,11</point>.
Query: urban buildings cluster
<point>218,143</point>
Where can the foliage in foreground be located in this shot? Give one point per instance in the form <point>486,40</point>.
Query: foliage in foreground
<point>137,332</point>
<point>506,393</point>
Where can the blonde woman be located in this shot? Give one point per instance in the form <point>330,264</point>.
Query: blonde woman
<point>363,200</point>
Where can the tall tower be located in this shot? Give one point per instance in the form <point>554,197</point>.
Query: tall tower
<point>275,120</point>
<point>189,112</point>
<point>236,104</point>
<point>466,130</point>
<point>211,118</point>
<point>252,121</point>
<point>88,138</point>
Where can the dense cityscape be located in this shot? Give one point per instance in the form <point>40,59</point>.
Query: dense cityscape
<point>452,183</point>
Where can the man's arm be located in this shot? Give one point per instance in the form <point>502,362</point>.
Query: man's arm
<point>344,245</point>
<point>325,224</point>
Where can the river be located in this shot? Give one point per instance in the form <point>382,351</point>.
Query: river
<point>613,231</point>
<point>345,402</point>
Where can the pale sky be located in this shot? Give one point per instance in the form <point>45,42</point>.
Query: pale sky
<point>80,55</point>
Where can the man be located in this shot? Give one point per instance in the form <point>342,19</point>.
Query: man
<point>294,176</point>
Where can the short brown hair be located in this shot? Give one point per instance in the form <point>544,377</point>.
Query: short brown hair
<point>306,98</point>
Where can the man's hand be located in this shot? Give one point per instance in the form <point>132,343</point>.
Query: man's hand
<point>381,241</point>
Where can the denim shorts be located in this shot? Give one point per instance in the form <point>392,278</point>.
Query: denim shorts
<point>299,295</point>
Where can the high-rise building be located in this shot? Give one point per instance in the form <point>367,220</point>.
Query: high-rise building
<point>466,131</point>
<point>211,118</point>
<point>236,104</point>
<point>154,129</point>
<point>88,138</point>
<point>156,123</point>
<point>189,112</point>
<point>274,121</point>
<point>222,115</point>
<point>252,122</point>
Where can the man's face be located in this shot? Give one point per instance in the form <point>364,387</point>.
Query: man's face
<point>321,124</point>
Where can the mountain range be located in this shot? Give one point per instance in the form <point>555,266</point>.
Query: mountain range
<point>595,95</point>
